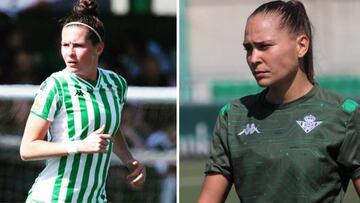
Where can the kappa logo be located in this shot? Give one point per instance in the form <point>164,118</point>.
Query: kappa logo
<point>249,129</point>
<point>79,93</point>
<point>309,123</point>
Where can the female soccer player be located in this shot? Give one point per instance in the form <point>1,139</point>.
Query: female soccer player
<point>294,141</point>
<point>79,108</point>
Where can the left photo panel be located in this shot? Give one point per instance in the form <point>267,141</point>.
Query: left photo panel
<point>88,101</point>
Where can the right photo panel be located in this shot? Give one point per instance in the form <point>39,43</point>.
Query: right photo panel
<point>269,101</point>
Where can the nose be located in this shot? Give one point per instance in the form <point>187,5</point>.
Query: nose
<point>253,57</point>
<point>69,50</point>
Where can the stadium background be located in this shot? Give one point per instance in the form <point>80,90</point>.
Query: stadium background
<point>213,69</point>
<point>140,43</point>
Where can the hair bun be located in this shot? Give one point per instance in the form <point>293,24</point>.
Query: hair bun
<point>86,7</point>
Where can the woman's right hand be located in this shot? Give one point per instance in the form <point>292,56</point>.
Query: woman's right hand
<point>95,142</point>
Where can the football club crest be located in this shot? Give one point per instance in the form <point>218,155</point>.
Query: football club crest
<point>309,123</point>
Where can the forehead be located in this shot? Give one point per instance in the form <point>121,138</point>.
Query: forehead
<point>74,33</point>
<point>263,27</point>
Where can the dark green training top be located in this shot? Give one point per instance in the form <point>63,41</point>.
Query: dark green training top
<point>304,151</point>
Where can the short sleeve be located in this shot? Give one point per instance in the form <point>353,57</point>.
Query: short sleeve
<point>349,154</point>
<point>219,158</point>
<point>121,86</point>
<point>46,101</point>
<point>125,91</point>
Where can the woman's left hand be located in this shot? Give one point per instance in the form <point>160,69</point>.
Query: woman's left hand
<point>137,174</point>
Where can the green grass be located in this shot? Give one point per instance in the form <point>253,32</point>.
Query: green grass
<point>192,176</point>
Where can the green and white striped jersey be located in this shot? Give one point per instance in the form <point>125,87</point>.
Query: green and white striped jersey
<point>76,108</point>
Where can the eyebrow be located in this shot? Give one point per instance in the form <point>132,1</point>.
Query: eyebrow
<point>246,44</point>
<point>69,42</point>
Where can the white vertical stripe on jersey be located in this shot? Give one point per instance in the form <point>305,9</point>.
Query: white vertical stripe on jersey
<point>102,122</point>
<point>54,102</point>
<point>95,155</point>
<point>102,164</point>
<point>111,131</point>
<point>77,126</point>
<point>91,178</point>
<point>43,182</point>
<point>90,115</point>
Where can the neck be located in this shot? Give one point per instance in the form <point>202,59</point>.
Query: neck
<point>92,76</point>
<point>289,91</point>
<point>88,75</point>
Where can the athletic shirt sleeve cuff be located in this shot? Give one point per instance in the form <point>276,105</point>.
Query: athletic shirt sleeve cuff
<point>214,169</point>
<point>41,116</point>
<point>356,174</point>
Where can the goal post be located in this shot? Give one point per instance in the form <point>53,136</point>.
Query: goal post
<point>149,95</point>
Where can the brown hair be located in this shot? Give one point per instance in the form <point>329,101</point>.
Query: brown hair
<point>85,11</point>
<point>295,19</point>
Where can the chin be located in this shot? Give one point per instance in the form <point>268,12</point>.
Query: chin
<point>263,83</point>
<point>73,68</point>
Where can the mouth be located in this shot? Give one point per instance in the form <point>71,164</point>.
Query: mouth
<point>260,74</point>
<point>71,63</point>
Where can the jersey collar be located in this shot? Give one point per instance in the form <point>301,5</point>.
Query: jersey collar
<point>86,83</point>
<point>302,99</point>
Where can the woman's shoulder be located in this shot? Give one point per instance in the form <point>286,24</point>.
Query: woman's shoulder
<point>241,104</point>
<point>53,78</point>
<point>336,100</point>
<point>111,73</point>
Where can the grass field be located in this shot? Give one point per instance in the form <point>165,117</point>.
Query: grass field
<point>191,178</point>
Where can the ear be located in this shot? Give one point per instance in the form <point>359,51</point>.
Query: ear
<point>302,45</point>
<point>100,48</point>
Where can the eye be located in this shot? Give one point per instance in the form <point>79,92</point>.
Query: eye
<point>64,44</point>
<point>264,47</point>
<point>78,45</point>
<point>247,48</point>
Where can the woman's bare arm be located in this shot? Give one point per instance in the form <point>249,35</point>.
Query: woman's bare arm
<point>357,185</point>
<point>215,189</point>
<point>137,174</point>
<point>34,147</point>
